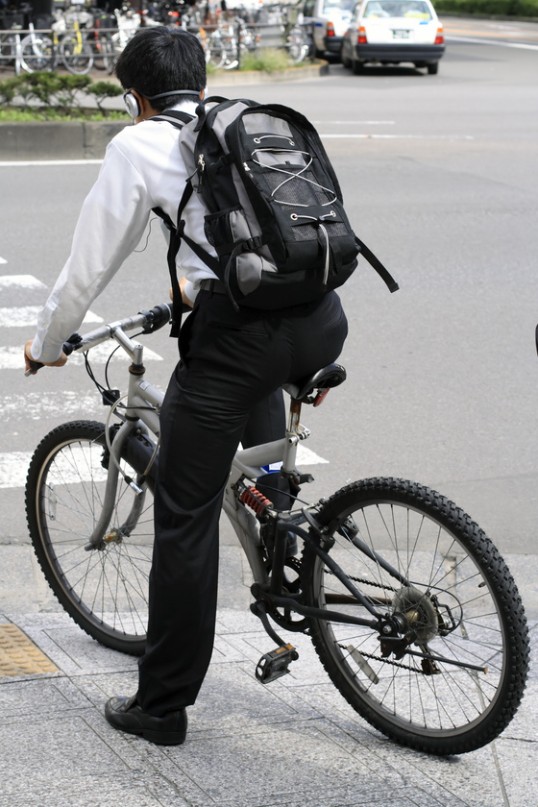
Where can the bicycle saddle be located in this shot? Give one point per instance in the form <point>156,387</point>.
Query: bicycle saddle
<point>324,379</point>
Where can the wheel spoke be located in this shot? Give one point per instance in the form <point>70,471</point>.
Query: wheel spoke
<point>105,589</point>
<point>442,685</point>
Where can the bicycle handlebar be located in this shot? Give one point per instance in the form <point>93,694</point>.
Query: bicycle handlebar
<point>149,320</point>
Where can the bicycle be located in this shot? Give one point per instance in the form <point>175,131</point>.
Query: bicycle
<point>74,49</point>
<point>37,51</point>
<point>10,49</point>
<point>412,611</point>
<point>100,41</point>
<point>298,44</point>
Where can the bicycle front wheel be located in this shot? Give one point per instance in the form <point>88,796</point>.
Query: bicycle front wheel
<point>37,53</point>
<point>104,588</point>
<point>454,677</point>
<point>76,54</point>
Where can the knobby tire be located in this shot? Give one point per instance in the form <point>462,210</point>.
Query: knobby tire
<point>103,589</point>
<point>447,572</point>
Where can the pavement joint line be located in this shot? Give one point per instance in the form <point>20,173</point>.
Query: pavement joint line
<point>20,656</point>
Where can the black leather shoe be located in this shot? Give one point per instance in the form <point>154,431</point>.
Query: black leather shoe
<point>126,715</point>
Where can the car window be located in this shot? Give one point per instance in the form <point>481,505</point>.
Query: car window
<point>412,9</point>
<point>330,6</point>
<point>308,9</point>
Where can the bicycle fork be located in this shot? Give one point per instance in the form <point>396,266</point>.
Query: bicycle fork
<point>101,535</point>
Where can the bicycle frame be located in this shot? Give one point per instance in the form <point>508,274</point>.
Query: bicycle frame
<point>143,401</point>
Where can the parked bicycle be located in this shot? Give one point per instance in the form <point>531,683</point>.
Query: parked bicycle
<point>10,49</point>
<point>410,607</point>
<point>70,40</point>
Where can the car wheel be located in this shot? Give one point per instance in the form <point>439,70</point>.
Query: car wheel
<point>357,68</point>
<point>345,61</point>
<point>433,68</point>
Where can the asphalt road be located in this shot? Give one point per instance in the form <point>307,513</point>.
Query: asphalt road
<point>440,176</point>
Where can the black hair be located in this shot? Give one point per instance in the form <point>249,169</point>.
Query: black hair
<point>160,59</point>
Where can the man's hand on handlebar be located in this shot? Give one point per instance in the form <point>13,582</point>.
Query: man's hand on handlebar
<point>32,366</point>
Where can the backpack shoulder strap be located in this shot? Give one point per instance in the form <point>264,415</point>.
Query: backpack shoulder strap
<point>178,119</point>
<point>376,264</point>
<point>176,228</point>
<point>174,116</point>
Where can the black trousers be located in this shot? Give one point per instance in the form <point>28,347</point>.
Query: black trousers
<point>222,392</point>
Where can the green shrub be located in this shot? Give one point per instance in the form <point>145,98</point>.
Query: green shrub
<point>267,60</point>
<point>101,90</point>
<point>8,90</point>
<point>489,8</point>
<point>48,96</point>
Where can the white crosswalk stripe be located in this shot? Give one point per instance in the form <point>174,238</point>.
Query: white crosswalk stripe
<point>26,317</point>
<point>20,281</point>
<point>11,357</point>
<point>14,465</point>
<point>38,405</point>
<point>13,468</point>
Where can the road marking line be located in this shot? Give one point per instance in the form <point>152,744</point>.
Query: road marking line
<point>477,41</point>
<point>357,136</point>
<point>14,469</point>
<point>11,358</point>
<point>305,456</point>
<point>24,281</point>
<point>39,405</point>
<point>26,317</point>
<point>354,122</point>
<point>32,163</point>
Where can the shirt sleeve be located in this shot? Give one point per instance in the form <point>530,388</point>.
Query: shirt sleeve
<point>110,225</point>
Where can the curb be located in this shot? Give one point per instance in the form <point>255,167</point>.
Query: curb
<point>50,140</point>
<point>72,140</point>
<point>226,78</point>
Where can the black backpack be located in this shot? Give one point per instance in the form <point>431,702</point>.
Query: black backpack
<point>275,215</point>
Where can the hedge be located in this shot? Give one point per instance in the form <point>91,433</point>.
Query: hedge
<point>527,9</point>
<point>50,95</point>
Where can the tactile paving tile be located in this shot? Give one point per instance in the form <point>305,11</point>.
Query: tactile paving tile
<point>19,655</point>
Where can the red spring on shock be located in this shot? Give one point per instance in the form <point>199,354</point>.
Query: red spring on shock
<point>255,500</point>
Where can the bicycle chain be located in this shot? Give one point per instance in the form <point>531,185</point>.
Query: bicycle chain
<point>366,582</point>
<point>387,661</point>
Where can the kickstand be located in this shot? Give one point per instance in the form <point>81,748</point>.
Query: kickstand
<point>274,664</point>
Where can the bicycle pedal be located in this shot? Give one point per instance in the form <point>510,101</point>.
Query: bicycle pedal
<point>275,664</point>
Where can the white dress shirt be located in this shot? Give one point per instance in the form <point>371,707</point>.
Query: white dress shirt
<point>142,169</point>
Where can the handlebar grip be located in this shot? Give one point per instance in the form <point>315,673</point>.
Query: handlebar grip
<point>71,343</point>
<point>157,317</point>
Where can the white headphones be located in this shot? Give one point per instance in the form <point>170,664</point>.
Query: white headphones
<point>133,107</point>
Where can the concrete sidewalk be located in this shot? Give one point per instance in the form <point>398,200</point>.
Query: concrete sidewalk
<point>292,743</point>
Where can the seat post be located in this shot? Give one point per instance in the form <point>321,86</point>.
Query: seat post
<point>294,416</point>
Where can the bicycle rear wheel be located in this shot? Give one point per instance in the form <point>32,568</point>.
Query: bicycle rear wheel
<point>103,53</point>
<point>103,589</point>
<point>456,679</point>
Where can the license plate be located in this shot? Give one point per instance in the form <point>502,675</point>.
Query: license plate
<point>401,33</point>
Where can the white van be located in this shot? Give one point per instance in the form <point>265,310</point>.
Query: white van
<point>327,20</point>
